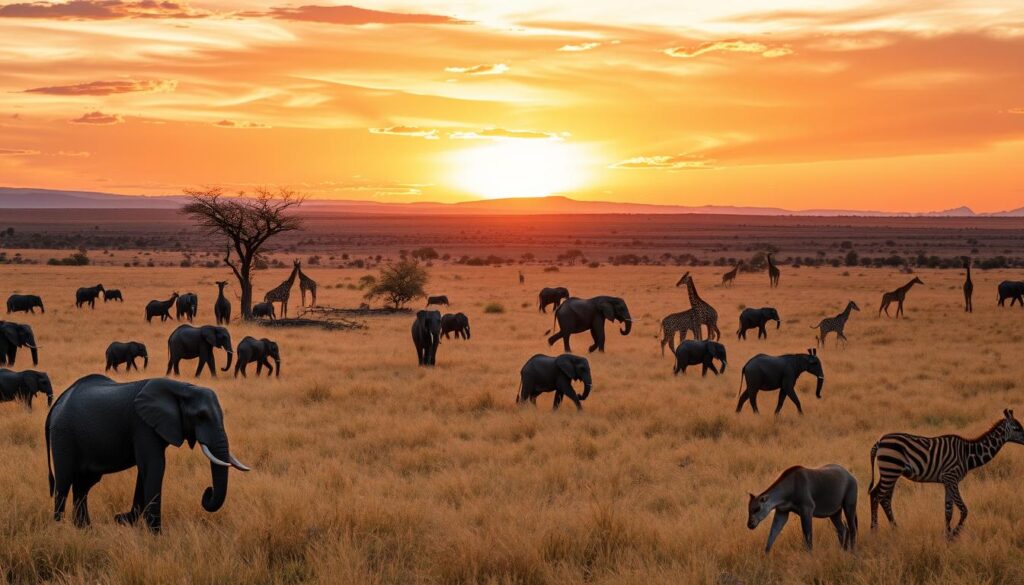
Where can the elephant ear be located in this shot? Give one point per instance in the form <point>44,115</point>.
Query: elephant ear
<point>11,334</point>
<point>607,310</point>
<point>160,409</point>
<point>210,335</point>
<point>565,364</point>
<point>32,382</point>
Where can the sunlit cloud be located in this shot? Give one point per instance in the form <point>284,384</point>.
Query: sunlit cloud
<point>588,46</point>
<point>240,124</point>
<point>74,153</point>
<point>409,131</point>
<point>676,162</point>
<point>353,15</point>
<point>17,152</point>
<point>102,88</point>
<point>502,134</point>
<point>99,10</point>
<point>98,118</point>
<point>730,46</point>
<point>491,69</point>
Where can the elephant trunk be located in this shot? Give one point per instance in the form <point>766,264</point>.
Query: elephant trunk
<point>49,398</point>
<point>821,382</point>
<point>778,324</point>
<point>586,388</point>
<point>724,364</point>
<point>627,326</point>
<point>231,354</point>
<point>214,497</point>
<point>41,308</point>
<point>277,368</point>
<point>145,361</point>
<point>35,355</point>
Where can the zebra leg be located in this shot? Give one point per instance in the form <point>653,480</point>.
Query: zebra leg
<point>886,501</point>
<point>953,489</point>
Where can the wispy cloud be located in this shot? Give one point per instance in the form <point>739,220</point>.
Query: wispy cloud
<point>17,152</point>
<point>410,131</point>
<point>488,69</point>
<point>99,10</point>
<point>502,134</point>
<point>99,118</point>
<point>74,153</point>
<point>101,88</point>
<point>730,46</point>
<point>588,46</point>
<point>353,15</point>
<point>675,162</point>
<point>239,124</point>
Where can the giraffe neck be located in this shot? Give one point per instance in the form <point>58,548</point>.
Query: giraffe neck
<point>968,272</point>
<point>907,287</point>
<point>846,313</point>
<point>691,290</point>
<point>986,447</point>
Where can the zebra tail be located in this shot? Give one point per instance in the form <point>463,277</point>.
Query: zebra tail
<point>874,451</point>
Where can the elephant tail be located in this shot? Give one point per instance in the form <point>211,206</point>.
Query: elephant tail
<point>49,466</point>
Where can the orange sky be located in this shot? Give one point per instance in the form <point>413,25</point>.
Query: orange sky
<point>902,105</point>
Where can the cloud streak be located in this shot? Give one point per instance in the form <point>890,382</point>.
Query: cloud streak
<point>502,134</point>
<point>408,131</point>
<point>355,16</point>
<point>99,10</point>
<point>486,69</point>
<point>98,118</point>
<point>17,152</point>
<point>102,88</point>
<point>729,46</point>
<point>675,162</point>
<point>240,124</point>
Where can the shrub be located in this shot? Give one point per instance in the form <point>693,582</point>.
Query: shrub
<point>550,269</point>
<point>398,283</point>
<point>494,308</point>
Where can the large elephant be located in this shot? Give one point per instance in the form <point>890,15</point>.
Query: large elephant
<point>426,336</point>
<point>187,306</point>
<point>24,304</point>
<point>551,296</point>
<point>751,318</point>
<point>457,323</point>
<point>691,353</point>
<point>264,310</point>
<point>543,373</point>
<point>188,343</point>
<point>1013,290</point>
<point>13,336</point>
<point>767,372</point>
<point>577,315</point>
<point>88,295</point>
<point>125,353</point>
<point>251,349</point>
<point>24,385</point>
<point>98,427</point>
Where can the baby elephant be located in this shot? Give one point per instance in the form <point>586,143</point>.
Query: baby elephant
<point>691,353</point>
<point>457,323</point>
<point>769,372</point>
<point>264,310</point>
<point>825,492</point>
<point>543,373</point>
<point>251,349</point>
<point>751,318</point>
<point>125,353</point>
<point>24,385</point>
<point>113,295</point>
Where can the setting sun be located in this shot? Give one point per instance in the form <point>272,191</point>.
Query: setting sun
<point>518,168</point>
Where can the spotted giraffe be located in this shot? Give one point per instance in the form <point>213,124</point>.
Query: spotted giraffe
<point>307,284</point>
<point>773,273</point>
<point>704,313</point>
<point>730,276</point>
<point>897,295</point>
<point>678,323</point>
<point>836,324</point>
<point>968,288</point>
<point>281,292</point>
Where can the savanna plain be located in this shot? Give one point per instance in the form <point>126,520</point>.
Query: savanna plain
<point>368,469</point>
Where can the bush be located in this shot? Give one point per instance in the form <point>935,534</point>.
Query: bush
<point>76,259</point>
<point>494,308</point>
<point>398,283</point>
<point>550,269</point>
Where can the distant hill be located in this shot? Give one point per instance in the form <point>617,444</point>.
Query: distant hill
<point>27,198</point>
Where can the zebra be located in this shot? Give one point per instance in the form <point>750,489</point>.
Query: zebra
<point>897,295</point>
<point>773,273</point>
<point>678,323</point>
<point>730,276</point>
<point>836,324</point>
<point>945,459</point>
<point>968,287</point>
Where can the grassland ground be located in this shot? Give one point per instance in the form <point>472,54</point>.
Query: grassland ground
<point>367,469</point>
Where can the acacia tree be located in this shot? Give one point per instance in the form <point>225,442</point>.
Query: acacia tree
<point>398,283</point>
<point>247,221</point>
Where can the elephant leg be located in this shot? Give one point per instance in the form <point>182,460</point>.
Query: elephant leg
<point>80,498</point>
<point>597,332</point>
<point>259,368</point>
<point>558,400</point>
<point>240,367</point>
<point>565,387</point>
<point>61,489</point>
<point>753,401</point>
<point>152,485</point>
<point>710,366</point>
<point>743,398</point>
<point>132,516</point>
<point>202,364</point>
<point>269,366</point>
<point>796,400</point>
<point>762,333</point>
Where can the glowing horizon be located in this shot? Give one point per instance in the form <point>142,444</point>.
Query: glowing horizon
<point>802,104</point>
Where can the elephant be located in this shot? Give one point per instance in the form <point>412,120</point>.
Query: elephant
<point>751,318</point>
<point>576,315</point>
<point>437,300</point>
<point>24,304</point>
<point>1013,290</point>
<point>187,306</point>
<point>251,349</point>
<point>551,296</point>
<point>112,295</point>
<point>188,342</point>
<point>24,385</point>
<point>543,373</point>
<point>13,336</point>
<point>767,372</point>
<point>160,309</point>
<point>426,335</point>
<point>87,295</point>
<point>457,323</point>
<point>691,353</point>
<point>222,308</point>
<point>264,310</point>
<point>98,427</point>
<point>125,353</point>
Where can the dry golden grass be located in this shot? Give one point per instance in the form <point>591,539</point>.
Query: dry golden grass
<point>368,469</point>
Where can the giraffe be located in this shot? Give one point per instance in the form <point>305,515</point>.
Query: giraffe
<point>773,273</point>
<point>836,324</point>
<point>730,276</point>
<point>678,323</point>
<point>281,292</point>
<point>968,287</point>
<point>705,314</point>
<point>897,295</point>
<point>307,283</point>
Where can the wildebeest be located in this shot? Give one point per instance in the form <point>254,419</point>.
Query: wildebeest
<point>437,300</point>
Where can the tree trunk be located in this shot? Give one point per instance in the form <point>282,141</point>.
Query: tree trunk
<point>246,299</point>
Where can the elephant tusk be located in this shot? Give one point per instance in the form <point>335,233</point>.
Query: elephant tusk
<point>30,346</point>
<point>238,464</point>
<point>211,457</point>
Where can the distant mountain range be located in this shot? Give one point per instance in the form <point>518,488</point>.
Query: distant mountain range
<point>21,198</point>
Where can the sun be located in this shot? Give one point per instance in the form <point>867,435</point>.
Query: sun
<point>518,168</point>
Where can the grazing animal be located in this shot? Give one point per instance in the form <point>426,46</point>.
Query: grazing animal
<point>945,459</point>
<point>898,295</point>
<point>15,335</point>
<point>729,277</point>
<point>222,308</point>
<point>281,292</point>
<point>522,279</point>
<point>1013,290</point>
<point>426,336</point>
<point>680,323</point>
<point>187,306</point>
<point>188,343</point>
<point>437,300</point>
<point>98,427</point>
<point>691,353</point>
<point>835,324</point>
<point>24,385</point>
<point>542,373</point>
<point>773,272</point>
<point>307,284</point>
<point>767,372</point>
<point>125,353</point>
<point>969,288</point>
<point>113,294</point>
<point>826,492</point>
<point>551,296</point>
<point>264,310</point>
<point>751,318</point>
<point>24,304</point>
<point>88,295</point>
<point>260,351</point>
<point>705,313</point>
<point>160,309</point>
<point>578,315</point>
<point>457,323</point>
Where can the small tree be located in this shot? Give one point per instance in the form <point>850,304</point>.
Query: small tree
<point>399,283</point>
<point>247,222</point>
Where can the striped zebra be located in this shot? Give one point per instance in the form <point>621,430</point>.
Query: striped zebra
<point>945,459</point>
